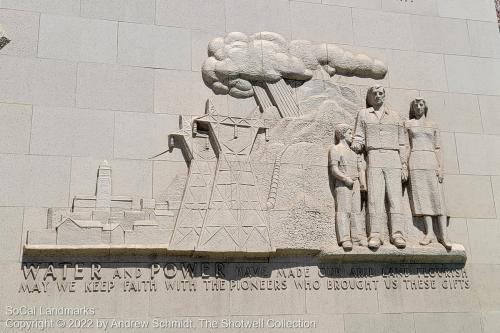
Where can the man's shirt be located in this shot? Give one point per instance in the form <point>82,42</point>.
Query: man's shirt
<point>384,132</point>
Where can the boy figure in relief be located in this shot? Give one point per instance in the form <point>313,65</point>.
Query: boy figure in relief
<point>348,170</point>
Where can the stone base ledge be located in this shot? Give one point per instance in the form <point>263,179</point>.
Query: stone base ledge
<point>434,253</point>
<point>385,254</point>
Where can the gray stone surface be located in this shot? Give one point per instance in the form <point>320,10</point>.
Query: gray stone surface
<point>38,81</point>
<point>379,323</point>
<point>290,302</point>
<point>392,30</point>
<point>495,184</point>
<point>39,237</point>
<point>180,92</point>
<point>447,322</point>
<point>115,87</point>
<point>337,19</point>
<point>427,71</point>
<point>438,35</point>
<point>489,113</point>
<point>455,112</point>
<point>77,39</point>
<point>193,14</point>
<point>11,220</point>
<point>30,180</point>
<point>154,46</point>
<point>246,16</point>
<point>397,99</point>
<point>473,148</point>
<point>445,51</point>
<point>424,7</point>
<point>481,232</point>
<point>15,126</point>
<point>490,322</point>
<point>450,159</point>
<point>148,236</point>
<point>138,11</point>
<point>473,75</point>
<point>485,41</point>
<point>133,178</point>
<point>487,287</point>
<point>372,4</point>
<point>59,7</point>
<point>481,10</point>
<point>53,132</point>
<point>476,201</point>
<point>143,136</point>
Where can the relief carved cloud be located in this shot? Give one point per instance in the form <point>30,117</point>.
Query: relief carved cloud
<point>237,60</point>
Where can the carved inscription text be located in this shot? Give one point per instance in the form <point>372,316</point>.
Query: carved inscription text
<point>236,277</point>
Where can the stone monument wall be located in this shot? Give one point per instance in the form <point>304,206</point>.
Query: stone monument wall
<point>497,4</point>
<point>84,81</point>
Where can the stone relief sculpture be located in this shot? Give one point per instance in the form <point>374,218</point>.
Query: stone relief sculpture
<point>426,173</point>
<point>237,61</point>
<point>497,5</point>
<point>380,134</point>
<point>221,210</point>
<point>348,170</point>
<point>268,182</point>
<point>4,40</point>
<point>104,220</point>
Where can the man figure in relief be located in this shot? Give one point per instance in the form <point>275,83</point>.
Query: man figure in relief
<point>379,133</point>
<point>348,170</point>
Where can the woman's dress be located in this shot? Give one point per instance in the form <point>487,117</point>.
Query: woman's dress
<point>426,196</point>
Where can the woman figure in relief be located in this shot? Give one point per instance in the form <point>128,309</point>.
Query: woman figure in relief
<point>426,172</point>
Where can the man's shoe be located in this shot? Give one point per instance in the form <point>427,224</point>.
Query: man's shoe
<point>347,245</point>
<point>362,241</point>
<point>374,242</point>
<point>399,242</point>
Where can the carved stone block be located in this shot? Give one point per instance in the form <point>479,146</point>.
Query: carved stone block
<point>148,236</point>
<point>261,184</point>
<point>38,237</point>
<point>77,232</point>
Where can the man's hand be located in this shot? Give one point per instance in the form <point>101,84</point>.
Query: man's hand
<point>440,175</point>
<point>349,182</point>
<point>404,173</point>
<point>357,147</point>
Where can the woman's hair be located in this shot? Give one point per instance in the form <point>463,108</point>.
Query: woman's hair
<point>413,104</point>
<point>369,92</point>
